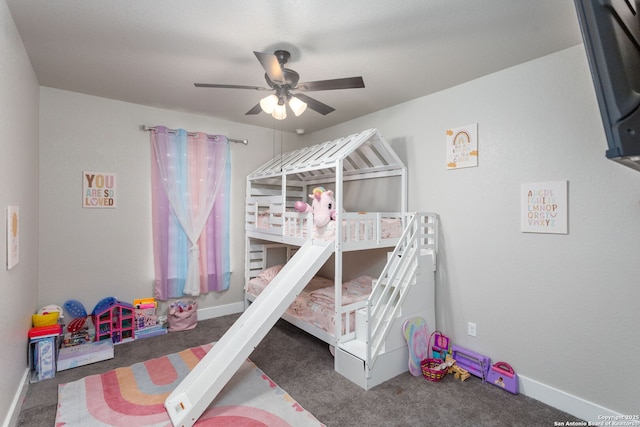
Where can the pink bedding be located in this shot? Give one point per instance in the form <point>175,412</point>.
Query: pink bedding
<point>316,303</point>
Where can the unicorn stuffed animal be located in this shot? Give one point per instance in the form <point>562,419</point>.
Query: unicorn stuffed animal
<point>322,207</point>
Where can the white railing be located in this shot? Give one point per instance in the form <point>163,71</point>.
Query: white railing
<point>360,230</point>
<point>264,213</point>
<point>390,290</point>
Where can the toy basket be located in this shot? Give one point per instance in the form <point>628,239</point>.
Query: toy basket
<point>183,316</point>
<point>47,319</point>
<point>431,366</point>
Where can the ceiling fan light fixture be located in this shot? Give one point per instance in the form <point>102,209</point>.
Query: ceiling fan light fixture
<point>279,112</point>
<point>282,80</point>
<point>269,103</point>
<point>297,106</point>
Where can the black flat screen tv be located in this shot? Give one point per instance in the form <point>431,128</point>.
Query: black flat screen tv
<point>611,34</point>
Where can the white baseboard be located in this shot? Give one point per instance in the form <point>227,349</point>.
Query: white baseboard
<point>220,310</point>
<point>11,419</point>
<point>576,406</point>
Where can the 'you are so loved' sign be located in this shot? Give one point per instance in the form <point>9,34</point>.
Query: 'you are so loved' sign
<point>544,207</point>
<point>98,190</point>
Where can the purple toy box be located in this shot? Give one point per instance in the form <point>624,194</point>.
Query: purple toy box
<point>502,375</point>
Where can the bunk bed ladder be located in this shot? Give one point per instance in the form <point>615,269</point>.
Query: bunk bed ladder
<point>390,290</point>
<point>198,389</point>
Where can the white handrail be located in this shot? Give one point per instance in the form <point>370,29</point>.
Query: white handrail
<point>390,290</point>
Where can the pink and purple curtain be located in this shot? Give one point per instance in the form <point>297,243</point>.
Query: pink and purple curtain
<point>190,203</point>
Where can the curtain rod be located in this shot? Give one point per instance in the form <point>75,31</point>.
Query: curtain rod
<point>154,129</point>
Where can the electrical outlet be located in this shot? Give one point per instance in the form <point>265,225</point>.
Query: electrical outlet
<point>471,329</point>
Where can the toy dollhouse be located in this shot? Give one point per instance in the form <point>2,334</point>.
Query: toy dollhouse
<point>115,321</point>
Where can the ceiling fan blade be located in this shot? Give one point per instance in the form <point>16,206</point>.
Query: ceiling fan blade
<point>255,110</point>
<point>314,104</point>
<point>344,83</point>
<point>230,86</point>
<point>271,66</point>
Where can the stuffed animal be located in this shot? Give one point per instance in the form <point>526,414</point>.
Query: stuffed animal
<point>322,206</point>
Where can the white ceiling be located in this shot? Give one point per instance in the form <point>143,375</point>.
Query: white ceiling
<point>151,52</point>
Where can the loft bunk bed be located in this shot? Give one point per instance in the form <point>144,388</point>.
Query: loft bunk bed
<point>337,308</point>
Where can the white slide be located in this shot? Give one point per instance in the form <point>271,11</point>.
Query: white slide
<point>201,386</point>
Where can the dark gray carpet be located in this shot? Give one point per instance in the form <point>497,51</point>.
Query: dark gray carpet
<point>303,366</point>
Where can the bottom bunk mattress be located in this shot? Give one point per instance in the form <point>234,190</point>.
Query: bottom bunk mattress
<point>316,303</point>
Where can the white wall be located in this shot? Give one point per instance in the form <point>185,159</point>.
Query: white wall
<point>562,309</point>
<point>89,254</point>
<point>18,186</point>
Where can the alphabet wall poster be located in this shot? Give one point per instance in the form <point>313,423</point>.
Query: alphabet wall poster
<point>544,207</point>
<point>462,147</point>
<point>13,236</point>
<point>98,190</point>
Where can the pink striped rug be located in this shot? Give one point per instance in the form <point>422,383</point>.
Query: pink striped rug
<point>134,396</point>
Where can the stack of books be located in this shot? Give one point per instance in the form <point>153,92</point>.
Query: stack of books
<point>147,319</point>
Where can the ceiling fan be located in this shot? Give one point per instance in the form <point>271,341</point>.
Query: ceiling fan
<point>288,91</point>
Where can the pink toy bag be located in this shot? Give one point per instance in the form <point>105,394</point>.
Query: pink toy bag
<point>183,316</point>
<point>502,375</point>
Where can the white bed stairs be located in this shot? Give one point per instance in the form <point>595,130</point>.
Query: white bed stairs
<point>201,386</point>
<point>405,289</point>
